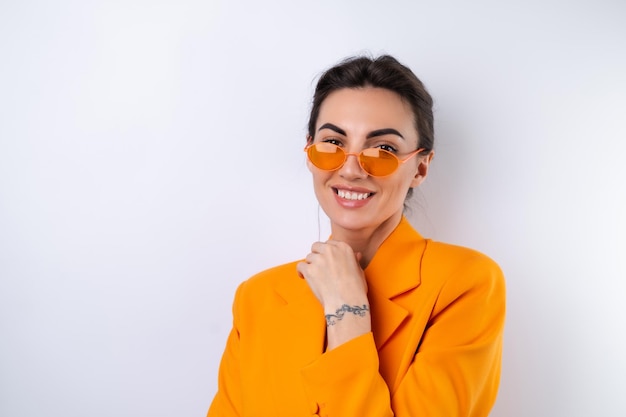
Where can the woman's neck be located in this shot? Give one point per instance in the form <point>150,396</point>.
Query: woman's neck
<point>366,241</point>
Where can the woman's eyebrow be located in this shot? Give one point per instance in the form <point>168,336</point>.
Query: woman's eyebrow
<point>372,134</point>
<point>383,132</point>
<point>333,128</point>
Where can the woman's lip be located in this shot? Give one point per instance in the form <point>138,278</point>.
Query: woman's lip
<point>351,189</point>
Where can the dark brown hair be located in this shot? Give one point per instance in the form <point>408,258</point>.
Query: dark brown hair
<point>382,72</point>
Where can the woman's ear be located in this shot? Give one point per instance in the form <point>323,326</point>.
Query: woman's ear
<point>422,168</point>
<point>309,141</point>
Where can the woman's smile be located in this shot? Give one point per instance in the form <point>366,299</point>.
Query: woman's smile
<point>352,198</point>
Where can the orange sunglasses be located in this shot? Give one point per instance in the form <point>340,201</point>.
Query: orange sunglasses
<point>375,161</point>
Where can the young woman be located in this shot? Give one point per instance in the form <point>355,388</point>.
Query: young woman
<point>376,321</point>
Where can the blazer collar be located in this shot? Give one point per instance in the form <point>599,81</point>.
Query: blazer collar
<point>399,253</point>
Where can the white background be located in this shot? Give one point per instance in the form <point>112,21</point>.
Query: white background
<point>151,159</point>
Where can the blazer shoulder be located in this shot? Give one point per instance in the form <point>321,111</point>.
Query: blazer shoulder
<point>452,260</point>
<point>273,276</point>
<point>269,280</point>
<point>456,252</point>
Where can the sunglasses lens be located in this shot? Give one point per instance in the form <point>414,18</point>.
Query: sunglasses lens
<point>326,156</point>
<point>375,161</point>
<point>378,162</point>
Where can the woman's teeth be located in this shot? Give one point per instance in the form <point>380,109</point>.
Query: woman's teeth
<point>348,195</point>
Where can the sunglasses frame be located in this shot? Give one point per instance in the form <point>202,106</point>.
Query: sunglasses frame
<point>358,158</point>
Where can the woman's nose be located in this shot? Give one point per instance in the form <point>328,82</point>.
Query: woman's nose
<point>351,169</point>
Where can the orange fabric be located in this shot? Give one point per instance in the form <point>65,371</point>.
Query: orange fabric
<point>434,350</point>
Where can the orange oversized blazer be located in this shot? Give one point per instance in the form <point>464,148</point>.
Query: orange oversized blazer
<point>434,350</point>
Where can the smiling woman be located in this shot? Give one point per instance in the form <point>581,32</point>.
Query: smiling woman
<point>376,321</point>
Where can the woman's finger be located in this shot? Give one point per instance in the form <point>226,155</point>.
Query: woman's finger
<point>318,247</point>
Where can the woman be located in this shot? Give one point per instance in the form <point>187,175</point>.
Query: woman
<point>376,321</point>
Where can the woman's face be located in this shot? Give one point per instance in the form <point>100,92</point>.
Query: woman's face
<point>360,118</point>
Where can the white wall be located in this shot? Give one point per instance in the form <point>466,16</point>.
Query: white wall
<point>151,159</point>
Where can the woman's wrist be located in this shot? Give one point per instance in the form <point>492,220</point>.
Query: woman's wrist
<point>346,310</point>
<point>346,322</point>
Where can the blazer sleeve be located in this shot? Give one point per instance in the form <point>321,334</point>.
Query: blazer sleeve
<point>455,370</point>
<point>227,401</point>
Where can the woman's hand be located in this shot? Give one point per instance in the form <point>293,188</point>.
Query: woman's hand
<point>334,275</point>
